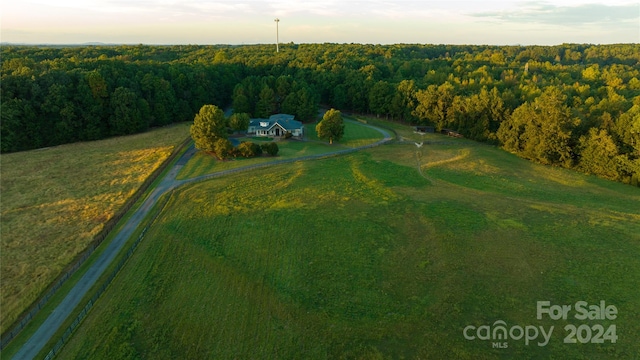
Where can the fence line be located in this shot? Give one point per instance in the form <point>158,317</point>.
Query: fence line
<point>285,161</point>
<point>85,310</point>
<point>32,310</point>
<point>69,331</point>
<point>113,222</point>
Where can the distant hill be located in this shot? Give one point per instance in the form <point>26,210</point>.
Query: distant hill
<point>61,45</point>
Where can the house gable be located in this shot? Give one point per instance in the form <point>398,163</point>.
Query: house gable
<point>284,123</point>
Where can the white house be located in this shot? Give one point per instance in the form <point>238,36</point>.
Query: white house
<point>276,126</point>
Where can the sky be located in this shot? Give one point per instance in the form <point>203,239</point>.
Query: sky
<point>203,22</point>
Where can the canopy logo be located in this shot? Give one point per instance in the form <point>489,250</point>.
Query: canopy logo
<point>499,333</point>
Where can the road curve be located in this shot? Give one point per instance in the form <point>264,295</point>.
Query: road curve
<point>50,326</point>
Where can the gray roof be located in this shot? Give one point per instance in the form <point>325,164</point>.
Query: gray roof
<point>285,121</point>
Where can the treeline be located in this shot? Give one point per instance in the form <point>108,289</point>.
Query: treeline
<point>262,96</point>
<point>56,99</point>
<point>571,105</point>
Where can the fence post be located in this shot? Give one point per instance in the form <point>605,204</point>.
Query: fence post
<point>27,315</point>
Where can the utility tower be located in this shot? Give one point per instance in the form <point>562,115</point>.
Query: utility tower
<point>277,35</point>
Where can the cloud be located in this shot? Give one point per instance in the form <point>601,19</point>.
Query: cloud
<point>166,8</point>
<point>371,21</point>
<point>291,7</point>
<point>550,14</point>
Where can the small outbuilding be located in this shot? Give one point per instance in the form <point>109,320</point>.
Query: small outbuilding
<point>425,129</point>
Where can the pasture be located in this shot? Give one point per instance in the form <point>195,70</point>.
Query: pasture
<point>55,200</point>
<point>355,135</point>
<point>385,253</point>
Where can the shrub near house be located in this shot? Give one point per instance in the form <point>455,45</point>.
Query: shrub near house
<point>250,149</point>
<point>270,148</point>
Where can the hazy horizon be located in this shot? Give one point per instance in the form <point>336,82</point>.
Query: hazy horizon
<point>202,22</point>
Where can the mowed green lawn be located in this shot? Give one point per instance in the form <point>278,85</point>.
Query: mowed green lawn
<point>386,253</point>
<point>355,135</point>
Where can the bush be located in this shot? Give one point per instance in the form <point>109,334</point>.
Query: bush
<point>222,148</point>
<point>245,149</point>
<point>248,149</point>
<point>257,149</point>
<point>270,148</point>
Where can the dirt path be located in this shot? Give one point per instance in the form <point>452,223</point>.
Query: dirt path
<point>50,326</point>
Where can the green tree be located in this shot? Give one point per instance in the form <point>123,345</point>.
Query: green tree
<point>290,104</point>
<point>403,101</point>
<point>357,91</point>
<point>222,148</point>
<point>15,119</point>
<point>592,73</point>
<point>267,102</point>
<point>339,96</point>
<point>433,104</point>
<point>307,106</point>
<point>300,103</point>
<point>239,121</point>
<point>209,125</point>
<point>598,153</point>
<point>257,149</point>
<point>478,116</point>
<point>161,98</point>
<point>283,88</point>
<point>540,130</point>
<point>245,149</point>
<point>380,98</point>
<point>271,148</point>
<point>240,100</point>
<point>98,85</point>
<point>627,129</point>
<point>331,126</point>
<point>127,112</point>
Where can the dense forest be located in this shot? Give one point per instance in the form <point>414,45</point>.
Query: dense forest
<point>571,105</point>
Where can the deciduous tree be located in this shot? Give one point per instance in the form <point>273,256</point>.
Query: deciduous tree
<point>380,98</point>
<point>540,130</point>
<point>222,148</point>
<point>239,121</point>
<point>598,154</point>
<point>127,112</point>
<point>433,104</point>
<point>331,126</point>
<point>209,125</point>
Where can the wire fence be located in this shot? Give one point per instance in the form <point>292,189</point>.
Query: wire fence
<point>31,312</point>
<point>387,139</point>
<point>113,222</point>
<point>85,310</point>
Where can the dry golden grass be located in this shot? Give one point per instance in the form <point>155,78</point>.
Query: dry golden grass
<point>55,200</point>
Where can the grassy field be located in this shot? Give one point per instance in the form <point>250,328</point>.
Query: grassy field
<point>385,253</point>
<point>355,135</point>
<point>55,200</point>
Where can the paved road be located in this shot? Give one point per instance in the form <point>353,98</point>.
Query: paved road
<point>49,327</point>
